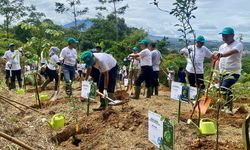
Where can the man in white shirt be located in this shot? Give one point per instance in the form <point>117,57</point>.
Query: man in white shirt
<point>68,56</point>
<point>107,66</point>
<point>13,68</point>
<point>156,62</point>
<point>229,55</point>
<point>196,54</point>
<point>146,69</point>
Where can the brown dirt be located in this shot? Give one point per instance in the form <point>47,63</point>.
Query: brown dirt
<point>121,95</point>
<point>119,127</point>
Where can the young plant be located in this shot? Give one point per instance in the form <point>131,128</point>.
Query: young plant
<point>183,11</point>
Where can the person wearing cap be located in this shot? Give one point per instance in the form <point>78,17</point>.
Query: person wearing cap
<point>195,54</point>
<point>229,56</point>
<point>68,57</point>
<point>95,73</point>
<point>107,65</point>
<point>146,69</point>
<point>51,69</point>
<point>134,66</point>
<point>156,62</point>
<point>13,67</point>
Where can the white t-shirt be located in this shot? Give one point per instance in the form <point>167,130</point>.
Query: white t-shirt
<point>231,63</point>
<point>81,67</point>
<point>104,62</point>
<point>54,59</point>
<point>134,64</point>
<point>13,60</point>
<point>200,54</point>
<point>69,56</point>
<point>43,60</point>
<point>145,57</point>
<point>156,60</point>
<point>27,68</point>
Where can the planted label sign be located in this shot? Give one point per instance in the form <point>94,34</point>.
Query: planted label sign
<point>86,86</point>
<point>183,92</point>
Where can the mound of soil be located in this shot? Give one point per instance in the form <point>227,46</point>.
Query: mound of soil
<point>121,95</point>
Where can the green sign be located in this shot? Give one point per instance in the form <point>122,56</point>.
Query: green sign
<point>168,135</point>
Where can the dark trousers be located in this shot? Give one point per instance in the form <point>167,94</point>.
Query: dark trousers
<point>145,75</point>
<point>112,81</point>
<point>14,74</point>
<point>51,75</point>
<point>95,74</point>
<point>226,82</point>
<point>200,78</point>
<point>155,79</point>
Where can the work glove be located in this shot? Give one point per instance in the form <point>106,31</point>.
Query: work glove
<point>105,93</point>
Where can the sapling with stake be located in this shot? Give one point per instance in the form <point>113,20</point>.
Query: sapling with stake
<point>183,11</point>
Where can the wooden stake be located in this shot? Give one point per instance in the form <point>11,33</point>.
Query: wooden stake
<point>16,141</point>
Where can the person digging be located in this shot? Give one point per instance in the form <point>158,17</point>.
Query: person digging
<point>229,56</point>
<point>146,69</point>
<point>51,69</point>
<point>107,65</point>
<point>68,56</point>
<point>13,67</point>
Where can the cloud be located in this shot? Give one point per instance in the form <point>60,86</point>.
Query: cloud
<point>211,16</point>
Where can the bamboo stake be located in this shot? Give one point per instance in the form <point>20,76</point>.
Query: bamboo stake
<point>20,104</point>
<point>12,105</point>
<point>16,141</point>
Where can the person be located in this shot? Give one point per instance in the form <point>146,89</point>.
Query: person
<point>95,74</point>
<point>43,64</point>
<point>196,54</point>
<point>80,69</point>
<point>181,75</point>
<point>146,69</point>
<point>156,62</point>
<point>51,69</point>
<point>68,56</point>
<point>171,75</point>
<point>229,55</point>
<point>134,66</point>
<point>107,65</point>
<point>12,67</point>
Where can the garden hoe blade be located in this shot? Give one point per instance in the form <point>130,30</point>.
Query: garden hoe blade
<point>112,102</point>
<point>204,104</point>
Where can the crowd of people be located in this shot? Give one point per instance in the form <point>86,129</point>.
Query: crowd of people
<point>144,66</point>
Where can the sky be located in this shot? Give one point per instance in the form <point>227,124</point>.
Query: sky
<point>211,16</point>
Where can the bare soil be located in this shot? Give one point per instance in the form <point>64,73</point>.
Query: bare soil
<point>121,127</point>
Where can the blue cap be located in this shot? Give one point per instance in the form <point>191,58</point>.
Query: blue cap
<point>87,57</point>
<point>227,30</point>
<point>200,39</point>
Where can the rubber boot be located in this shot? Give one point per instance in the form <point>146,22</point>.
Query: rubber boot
<point>7,82</point>
<point>68,88</point>
<point>156,90</point>
<point>45,84</point>
<point>102,106</point>
<point>137,92</point>
<point>20,84</point>
<point>152,91</point>
<point>12,85</point>
<point>149,91</point>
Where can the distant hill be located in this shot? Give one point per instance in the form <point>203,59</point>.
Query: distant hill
<point>175,43</point>
<point>88,23</point>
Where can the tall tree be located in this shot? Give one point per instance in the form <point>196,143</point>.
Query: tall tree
<point>116,10</point>
<point>71,8</point>
<point>12,10</point>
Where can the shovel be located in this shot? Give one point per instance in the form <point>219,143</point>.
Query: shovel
<point>112,102</point>
<point>205,102</point>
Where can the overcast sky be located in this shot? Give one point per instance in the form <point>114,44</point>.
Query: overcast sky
<point>211,16</point>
